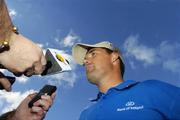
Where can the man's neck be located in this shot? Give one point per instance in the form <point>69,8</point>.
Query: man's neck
<point>108,82</point>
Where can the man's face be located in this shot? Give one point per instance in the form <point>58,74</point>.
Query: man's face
<point>97,63</point>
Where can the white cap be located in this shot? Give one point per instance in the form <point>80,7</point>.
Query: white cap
<point>79,50</point>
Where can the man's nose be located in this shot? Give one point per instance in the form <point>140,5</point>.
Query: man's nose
<point>86,61</point>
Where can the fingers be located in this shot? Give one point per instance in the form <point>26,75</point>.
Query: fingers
<point>28,98</point>
<point>5,82</point>
<point>41,65</point>
<point>31,96</point>
<point>45,102</point>
<point>41,107</point>
<point>37,113</point>
<point>24,57</point>
<point>43,60</point>
<point>17,74</point>
<point>53,95</point>
<point>37,68</point>
<point>38,110</point>
<point>37,117</point>
<point>23,112</point>
<point>29,72</point>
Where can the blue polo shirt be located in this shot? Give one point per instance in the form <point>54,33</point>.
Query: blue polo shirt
<point>130,100</point>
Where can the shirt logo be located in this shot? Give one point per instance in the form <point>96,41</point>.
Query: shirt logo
<point>130,105</point>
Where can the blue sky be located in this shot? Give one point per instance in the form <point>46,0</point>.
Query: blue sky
<point>146,31</point>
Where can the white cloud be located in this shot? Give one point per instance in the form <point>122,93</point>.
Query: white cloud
<point>169,57</point>
<point>64,42</point>
<point>139,51</point>
<point>22,79</point>
<point>172,65</point>
<point>45,45</point>
<point>2,70</point>
<point>10,100</point>
<point>12,13</point>
<point>132,64</point>
<point>164,54</point>
<point>40,45</point>
<point>63,78</point>
<point>169,50</point>
<point>69,40</point>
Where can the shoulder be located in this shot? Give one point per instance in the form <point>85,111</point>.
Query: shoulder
<point>157,85</point>
<point>153,82</point>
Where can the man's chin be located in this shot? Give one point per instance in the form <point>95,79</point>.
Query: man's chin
<point>92,79</point>
<point>89,70</point>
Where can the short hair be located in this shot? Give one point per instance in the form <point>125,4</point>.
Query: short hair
<point>122,66</point>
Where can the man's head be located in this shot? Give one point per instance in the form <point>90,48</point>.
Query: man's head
<point>99,59</point>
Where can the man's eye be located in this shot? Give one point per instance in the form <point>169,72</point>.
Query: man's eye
<point>93,54</point>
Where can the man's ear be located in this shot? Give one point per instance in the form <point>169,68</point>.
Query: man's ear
<point>114,57</point>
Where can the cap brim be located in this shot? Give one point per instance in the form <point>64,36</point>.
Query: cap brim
<point>79,51</point>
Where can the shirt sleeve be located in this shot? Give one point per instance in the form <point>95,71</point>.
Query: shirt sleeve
<point>169,100</point>
<point>166,99</point>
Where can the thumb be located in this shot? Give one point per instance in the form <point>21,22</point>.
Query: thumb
<point>29,98</point>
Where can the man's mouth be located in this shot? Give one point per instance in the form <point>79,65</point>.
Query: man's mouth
<point>89,68</point>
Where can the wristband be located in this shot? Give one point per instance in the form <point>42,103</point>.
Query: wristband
<point>4,46</point>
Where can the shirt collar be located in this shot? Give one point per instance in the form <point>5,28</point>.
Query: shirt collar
<point>124,85</point>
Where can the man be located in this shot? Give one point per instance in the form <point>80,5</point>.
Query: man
<point>123,100</point>
<point>21,56</point>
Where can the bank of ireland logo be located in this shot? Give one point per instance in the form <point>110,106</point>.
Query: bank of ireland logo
<point>130,105</point>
